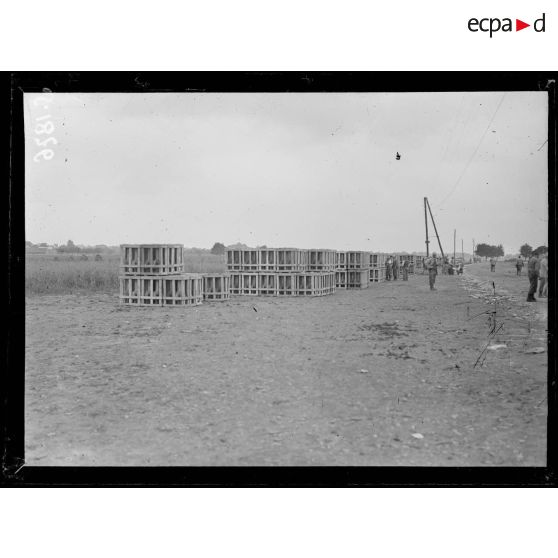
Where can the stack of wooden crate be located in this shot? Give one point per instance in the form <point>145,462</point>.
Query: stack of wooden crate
<point>352,270</point>
<point>377,269</point>
<point>153,275</point>
<point>281,271</point>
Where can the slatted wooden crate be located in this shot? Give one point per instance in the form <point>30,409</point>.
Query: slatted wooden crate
<point>315,284</point>
<point>377,259</point>
<point>377,274</point>
<point>177,290</point>
<point>250,260</point>
<point>341,279</point>
<point>267,284</point>
<point>184,290</point>
<point>216,286</point>
<point>236,284</point>
<point>291,259</point>
<point>245,284</point>
<point>341,260</point>
<point>322,260</point>
<point>250,284</point>
<point>268,259</point>
<point>140,290</point>
<point>151,259</point>
<point>358,279</point>
<point>233,259</point>
<point>286,284</point>
<point>358,260</point>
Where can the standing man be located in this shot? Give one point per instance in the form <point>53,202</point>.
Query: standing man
<point>533,274</point>
<point>519,265</point>
<point>405,270</point>
<point>492,264</point>
<point>389,265</point>
<point>543,275</point>
<point>432,267</point>
<point>395,267</point>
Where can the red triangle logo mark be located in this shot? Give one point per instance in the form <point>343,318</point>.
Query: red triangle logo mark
<point>519,25</point>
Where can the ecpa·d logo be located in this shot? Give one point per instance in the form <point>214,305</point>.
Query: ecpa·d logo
<point>494,24</point>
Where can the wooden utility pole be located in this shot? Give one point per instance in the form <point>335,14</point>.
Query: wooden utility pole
<point>426,225</point>
<point>454,231</point>
<point>462,253</point>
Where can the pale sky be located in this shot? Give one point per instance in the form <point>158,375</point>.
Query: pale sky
<point>307,170</point>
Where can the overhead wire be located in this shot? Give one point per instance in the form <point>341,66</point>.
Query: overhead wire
<point>475,151</point>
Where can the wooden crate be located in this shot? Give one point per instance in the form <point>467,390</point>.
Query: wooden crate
<point>236,284</point>
<point>267,284</point>
<point>233,258</point>
<point>291,259</point>
<point>268,259</point>
<point>358,279</point>
<point>286,284</point>
<point>244,284</point>
<point>184,290</point>
<point>140,290</point>
<point>341,260</point>
<point>151,259</point>
<point>250,259</point>
<point>216,286</point>
<point>315,284</point>
<point>250,284</point>
<point>341,279</point>
<point>176,290</point>
<point>358,260</point>
<point>322,260</point>
<point>377,274</point>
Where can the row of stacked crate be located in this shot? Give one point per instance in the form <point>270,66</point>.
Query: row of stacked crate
<point>281,271</point>
<point>268,283</point>
<point>153,275</point>
<point>280,260</point>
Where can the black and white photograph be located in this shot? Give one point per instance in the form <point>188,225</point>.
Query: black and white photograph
<point>286,278</point>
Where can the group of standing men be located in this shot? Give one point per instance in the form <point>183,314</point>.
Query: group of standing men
<point>392,268</point>
<point>537,271</point>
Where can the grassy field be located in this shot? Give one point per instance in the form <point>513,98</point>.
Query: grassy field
<point>63,274</point>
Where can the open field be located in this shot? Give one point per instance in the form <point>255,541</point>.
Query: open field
<point>46,275</point>
<point>391,375</point>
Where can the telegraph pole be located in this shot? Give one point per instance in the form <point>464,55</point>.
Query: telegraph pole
<point>454,231</point>
<point>426,225</point>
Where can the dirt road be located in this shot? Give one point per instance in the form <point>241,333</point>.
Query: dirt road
<point>391,375</point>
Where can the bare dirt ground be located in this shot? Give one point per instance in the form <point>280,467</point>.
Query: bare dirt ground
<point>391,375</point>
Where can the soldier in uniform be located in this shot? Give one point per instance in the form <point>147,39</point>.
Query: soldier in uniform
<point>533,274</point>
<point>519,265</point>
<point>395,267</point>
<point>543,276</point>
<point>405,270</point>
<point>432,267</point>
<point>389,265</point>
